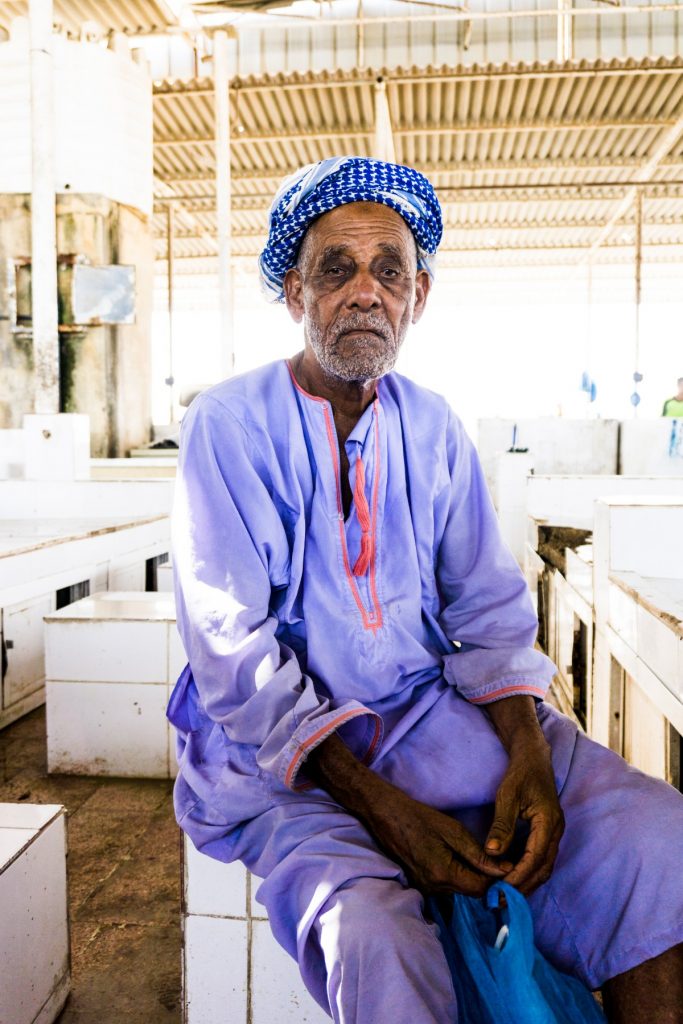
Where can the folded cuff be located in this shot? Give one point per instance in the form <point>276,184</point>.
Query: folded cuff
<point>359,728</point>
<point>484,676</point>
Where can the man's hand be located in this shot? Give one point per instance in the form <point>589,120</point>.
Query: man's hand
<point>437,853</point>
<point>527,791</point>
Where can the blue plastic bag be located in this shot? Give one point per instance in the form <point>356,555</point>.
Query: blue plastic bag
<point>498,974</point>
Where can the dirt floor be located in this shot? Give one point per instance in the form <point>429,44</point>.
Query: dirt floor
<point>124,883</point>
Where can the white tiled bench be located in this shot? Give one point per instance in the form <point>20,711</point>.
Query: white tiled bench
<point>234,972</point>
<point>34,936</point>
<point>111,662</point>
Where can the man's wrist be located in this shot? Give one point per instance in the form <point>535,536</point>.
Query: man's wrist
<point>334,768</point>
<point>517,726</point>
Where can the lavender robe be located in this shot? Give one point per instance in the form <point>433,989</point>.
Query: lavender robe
<point>286,644</point>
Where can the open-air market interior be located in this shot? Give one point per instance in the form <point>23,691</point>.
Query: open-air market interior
<point>142,144</point>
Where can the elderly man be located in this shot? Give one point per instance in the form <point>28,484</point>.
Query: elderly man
<point>362,721</point>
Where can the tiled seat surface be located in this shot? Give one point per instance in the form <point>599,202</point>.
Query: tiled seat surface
<point>234,971</point>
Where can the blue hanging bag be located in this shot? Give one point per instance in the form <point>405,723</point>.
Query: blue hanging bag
<point>498,974</point>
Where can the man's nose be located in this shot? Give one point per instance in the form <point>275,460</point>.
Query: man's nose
<point>363,291</point>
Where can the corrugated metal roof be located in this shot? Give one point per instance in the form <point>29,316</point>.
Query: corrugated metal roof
<point>135,17</point>
<point>526,157</point>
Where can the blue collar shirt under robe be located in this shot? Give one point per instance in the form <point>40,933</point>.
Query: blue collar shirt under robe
<point>295,624</point>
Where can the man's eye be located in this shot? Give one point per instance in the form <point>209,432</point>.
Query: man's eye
<point>390,272</point>
<point>334,271</point>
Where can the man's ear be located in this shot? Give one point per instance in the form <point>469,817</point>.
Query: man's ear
<point>293,287</point>
<point>423,284</point>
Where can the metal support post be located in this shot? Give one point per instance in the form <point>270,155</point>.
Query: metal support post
<point>383,141</point>
<point>43,212</point>
<point>170,380</point>
<point>565,31</point>
<point>637,375</point>
<point>221,62</point>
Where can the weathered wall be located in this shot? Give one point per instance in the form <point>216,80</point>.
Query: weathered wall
<point>109,367</point>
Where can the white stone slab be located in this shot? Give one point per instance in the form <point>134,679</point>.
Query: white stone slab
<point>119,606</point>
<point>105,651</point>
<point>212,888</point>
<point>34,941</point>
<point>12,842</point>
<point>107,729</point>
<point>278,993</point>
<point>215,965</point>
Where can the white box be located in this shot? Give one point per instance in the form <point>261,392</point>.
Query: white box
<point>34,938</point>
<point>108,685</point>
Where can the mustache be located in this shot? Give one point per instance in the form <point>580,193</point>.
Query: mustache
<point>363,322</point>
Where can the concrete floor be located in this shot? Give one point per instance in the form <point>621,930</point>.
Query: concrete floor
<point>124,883</point>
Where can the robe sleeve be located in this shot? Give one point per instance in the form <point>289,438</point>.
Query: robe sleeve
<point>231,556</point>
<point>488,609</point>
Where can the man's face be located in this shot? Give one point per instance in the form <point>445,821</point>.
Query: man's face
<point>356,288</point>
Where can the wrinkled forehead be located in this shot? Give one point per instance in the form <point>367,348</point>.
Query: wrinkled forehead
<point>359,225</point>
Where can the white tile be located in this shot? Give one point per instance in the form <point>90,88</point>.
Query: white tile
<point>213,888</point>
<point>172,741</point>
<point>106,651</point>
<point>27,815</point>
<point>215,989</point>
<point>34,938</point>
<point>107,729</point>
<point>177,659</point>
<point>278,993</point>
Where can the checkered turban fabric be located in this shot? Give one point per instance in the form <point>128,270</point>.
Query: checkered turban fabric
<point>321,187</point>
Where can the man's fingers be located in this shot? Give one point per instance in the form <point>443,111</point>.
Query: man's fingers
<point>536,864</point>
<point>469,851</point>
<point>503,828</point>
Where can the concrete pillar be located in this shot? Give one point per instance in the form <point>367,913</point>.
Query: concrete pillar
<point>43,215</point>
<point>221,71</point>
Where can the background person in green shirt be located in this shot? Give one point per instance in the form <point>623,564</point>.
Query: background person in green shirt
<point>674,406</point>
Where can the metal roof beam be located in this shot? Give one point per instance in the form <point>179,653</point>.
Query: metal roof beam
<point>462,128</point>
<point>474,73</point>
<point>662,149</point>
<point>472,167</point>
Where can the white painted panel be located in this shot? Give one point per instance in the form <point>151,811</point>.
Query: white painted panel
<point>165,578</point>
<point>128,577</point>
<point>658,647</point>
<point>213,888</point>
<point>106,651</point>
<point>23,628</point>
<point>278,993</point>
<point>645,537</point>
<point>622,615</point>
<point>103,134</point>
<point>34,937</point>
<point>653,447</point>
<point>107,729</point>
<point>215,971</point>
<point>645,732</point>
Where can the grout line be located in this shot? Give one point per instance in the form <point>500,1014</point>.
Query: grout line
<point>250,938</point>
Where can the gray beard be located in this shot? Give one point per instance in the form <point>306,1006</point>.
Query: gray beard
<point>363,361</point>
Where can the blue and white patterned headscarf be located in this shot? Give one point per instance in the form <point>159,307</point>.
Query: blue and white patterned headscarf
<point>321,187</point>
